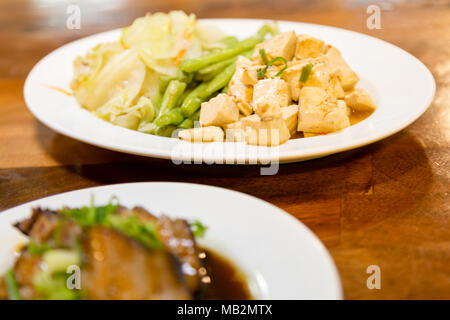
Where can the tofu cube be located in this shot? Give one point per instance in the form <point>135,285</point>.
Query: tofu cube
<point>319,76</point>
<point>318,113</point>
<point>269,96</point>
<point>290,115</point>
<point>346,75</point>
<point>218,111</point>
<point>265,133</point>
<point>359,100</point>
<point>241,93</point>
<point>308,47</point>
<point>336,89</point>
<point>250,74</point>
<point>234,132</point>
<point>281,45</point>
<point>310,134</point>
<point>204,134</point>
<point>247,70</point>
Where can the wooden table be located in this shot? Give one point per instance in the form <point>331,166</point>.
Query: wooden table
<point>386,204</point>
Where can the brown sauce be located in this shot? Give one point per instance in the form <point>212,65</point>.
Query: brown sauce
<point>355,117</point>
<point>227,281</point>
<point>358,116</point>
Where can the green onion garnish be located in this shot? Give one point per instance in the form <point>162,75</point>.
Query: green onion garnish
<point>282,60</point>
<point>37,249</point>
<point>198,229</point>
<point>11,285</point>
<point>306,72</point>
<point>262,72</point>
<point>263,55</point>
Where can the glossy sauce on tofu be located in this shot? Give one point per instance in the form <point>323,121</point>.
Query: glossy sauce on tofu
<point>227,282</point>
<point>358,116</point>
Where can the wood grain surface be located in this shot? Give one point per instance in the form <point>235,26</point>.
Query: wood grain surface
<point>386,204</point>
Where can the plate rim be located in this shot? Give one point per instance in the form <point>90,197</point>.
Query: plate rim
<point>313,240</point>
<point>295,155</point>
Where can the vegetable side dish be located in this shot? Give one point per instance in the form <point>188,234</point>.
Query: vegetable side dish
<point>167,72</point>
<point>121,253</point>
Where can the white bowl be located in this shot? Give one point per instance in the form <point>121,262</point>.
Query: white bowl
<point>281,257</point>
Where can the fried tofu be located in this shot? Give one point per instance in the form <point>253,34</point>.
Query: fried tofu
<point>308,47</point>
<point>335,88</point>
<point>219,111</point>
<point>204,134</point>
<point>359,100</point>
<point>250,74</point>
<point>319,113</point>
<point>265,133</point>
<point>234,132</point>
<point>290,115</point>
<point>241,93</point>
<point>319,76</point>
<point>281,45</point>
<point>269,96</point>
<point>346,75</point>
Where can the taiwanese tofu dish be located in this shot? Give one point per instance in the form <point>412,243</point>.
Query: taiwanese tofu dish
<point>111,252</point>
<point>168,75</point>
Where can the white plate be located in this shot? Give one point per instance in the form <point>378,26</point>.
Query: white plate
<point>281,257</point>
<point>401,86</point>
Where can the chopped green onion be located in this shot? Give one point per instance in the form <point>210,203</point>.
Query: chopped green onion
<point>59,259</point>
<point>262,72</point>
<point>88,216</point>
<point>37,249</point>
<point>282,60</point>
<point>263,55</point>
<point>198,229</point>
<point>11,285</point>
<point>306,72</point>
<point>54,287</point>
<point>144,233</point>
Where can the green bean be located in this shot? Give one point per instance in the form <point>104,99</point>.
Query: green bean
<point>185,94</point>
<point>209,72</point>
<point>195,116</point>
<point>164,81</point>
<point>206,60</point>
<point>181,76</point>
<point>174,116</point>
<point>173,92</point>
<point>165,131</point>
<point>186,124</point>
<point>229,41</point>
<point>214,57</point>
<point>219,81</point>
<point>184,76</point>
<point>205,90</point>
<point>11,285</point>
<point>190,121</point>
<point>192,101</point>
<point>156,101</point>
<point>265,29</point>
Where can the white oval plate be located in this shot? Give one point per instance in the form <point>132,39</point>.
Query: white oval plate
<point>401,86</point>
<point>280,256</point>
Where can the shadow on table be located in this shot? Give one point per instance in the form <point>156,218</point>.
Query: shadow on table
<point>400,159</point>
<point>346,190</point>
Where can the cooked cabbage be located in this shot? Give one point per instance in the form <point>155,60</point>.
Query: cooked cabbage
<point>121,74</point>
<point>119,81</point>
